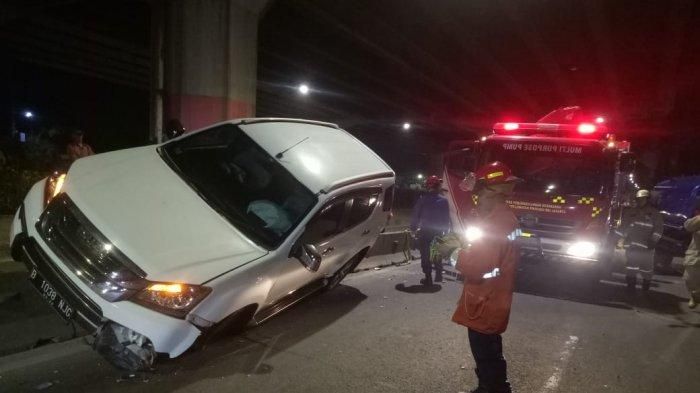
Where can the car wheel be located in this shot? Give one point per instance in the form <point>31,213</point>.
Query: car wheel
<point>347,268</point>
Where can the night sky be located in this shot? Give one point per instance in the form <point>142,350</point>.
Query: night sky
<point>450,67</point>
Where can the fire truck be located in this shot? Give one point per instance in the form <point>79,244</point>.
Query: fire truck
<point>577,177</point>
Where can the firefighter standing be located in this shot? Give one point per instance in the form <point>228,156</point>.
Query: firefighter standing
<point>642,227</point>
<point>431,218</point>
<point>488,266</point>
<point>692,258</point>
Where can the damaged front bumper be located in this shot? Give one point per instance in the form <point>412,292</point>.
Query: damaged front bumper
<point>75,301</point>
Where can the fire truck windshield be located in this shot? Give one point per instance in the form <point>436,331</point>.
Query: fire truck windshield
<point>552,168</point>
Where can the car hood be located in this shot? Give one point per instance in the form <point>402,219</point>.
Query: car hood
<point>149,213</point>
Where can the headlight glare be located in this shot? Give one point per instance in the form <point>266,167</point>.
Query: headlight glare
<point>473,233</point>
<point>582,250</point>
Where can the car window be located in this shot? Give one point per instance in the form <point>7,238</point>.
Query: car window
<point>250,188</point>
<point>362,207</point>
<point>326,223</point>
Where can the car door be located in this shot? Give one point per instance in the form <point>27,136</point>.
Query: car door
<point>322,232</point>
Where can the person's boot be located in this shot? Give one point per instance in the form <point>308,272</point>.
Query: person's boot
<point>428,280</point>
<point>480,389</point>
<point>631,283</point>
<point>438,274</point>
<point>646,284</point>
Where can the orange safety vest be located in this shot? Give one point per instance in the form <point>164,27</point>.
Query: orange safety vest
<point>485,302</point>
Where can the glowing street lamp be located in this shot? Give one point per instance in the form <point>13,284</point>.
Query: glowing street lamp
<point>303,89</point>
<point>419,176</point>
<point>406,126</point>
<point>28,114</point>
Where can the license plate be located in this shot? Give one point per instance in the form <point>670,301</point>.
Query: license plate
<point>49,293</point>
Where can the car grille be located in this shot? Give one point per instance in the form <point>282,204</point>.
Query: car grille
<point>88,313</point>
<point>548,227</point>
<point>81,247</point>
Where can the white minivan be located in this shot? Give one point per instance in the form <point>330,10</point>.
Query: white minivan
<point>157,247</point>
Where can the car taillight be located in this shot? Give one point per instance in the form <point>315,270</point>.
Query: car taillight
<point>511,126</point>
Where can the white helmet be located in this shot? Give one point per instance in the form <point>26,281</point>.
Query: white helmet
<point>643,194</point>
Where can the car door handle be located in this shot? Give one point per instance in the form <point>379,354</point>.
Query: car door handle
<point>327,250</point>
<point>366,232</point>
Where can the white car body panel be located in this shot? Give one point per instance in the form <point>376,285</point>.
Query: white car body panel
<point>166,229</point>
<point>163,226</point>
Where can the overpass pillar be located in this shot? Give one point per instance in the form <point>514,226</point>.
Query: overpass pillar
<point>205,61</point>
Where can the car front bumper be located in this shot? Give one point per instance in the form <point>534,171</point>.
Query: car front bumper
<point>169,335</point>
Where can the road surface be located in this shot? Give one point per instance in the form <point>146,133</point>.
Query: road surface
<point>380,333</point>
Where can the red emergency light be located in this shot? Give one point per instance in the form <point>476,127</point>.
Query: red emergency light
<point>586,128</point>
<point>511,126</point>
<point>550,129</point>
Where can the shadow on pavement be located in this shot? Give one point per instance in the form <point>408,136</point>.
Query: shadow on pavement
<point>577,285</point>
<point>248,352</point>
<point>418,288</point>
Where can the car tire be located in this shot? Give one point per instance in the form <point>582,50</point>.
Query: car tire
<point>346,269</point>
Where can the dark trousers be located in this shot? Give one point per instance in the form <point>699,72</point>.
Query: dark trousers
<point>424,240</point>
<point>487,350</point>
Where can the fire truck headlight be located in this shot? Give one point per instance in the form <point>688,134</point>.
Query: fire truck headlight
<point>582,250</point>
<point>473,234</point>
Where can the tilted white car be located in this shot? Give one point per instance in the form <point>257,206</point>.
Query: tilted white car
<point>153,248</point>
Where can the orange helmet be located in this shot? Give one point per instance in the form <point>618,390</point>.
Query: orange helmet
<point>433,182</point>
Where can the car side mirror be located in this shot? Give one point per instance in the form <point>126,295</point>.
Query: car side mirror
<point>308,255</point>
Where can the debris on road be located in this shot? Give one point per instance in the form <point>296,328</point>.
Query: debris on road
<point>43,385</point>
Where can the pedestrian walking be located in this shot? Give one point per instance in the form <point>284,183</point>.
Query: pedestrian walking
<point>430,219</point>
<point>642,228</point>
<point>488,265</point>
<point>691,275</point>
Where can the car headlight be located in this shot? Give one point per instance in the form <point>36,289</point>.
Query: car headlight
<point>473,234</point>
<point>54,183</point>
<point>582,249</point>
<point>174,299</point>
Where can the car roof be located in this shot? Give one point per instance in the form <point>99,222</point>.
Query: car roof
<point>320,155</point>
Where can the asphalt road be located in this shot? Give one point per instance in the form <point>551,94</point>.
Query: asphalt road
<point>379,333</point>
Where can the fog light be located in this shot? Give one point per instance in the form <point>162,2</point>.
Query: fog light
<point>582,250</point>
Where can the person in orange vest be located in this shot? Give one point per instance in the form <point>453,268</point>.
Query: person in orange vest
<point>488,264</point>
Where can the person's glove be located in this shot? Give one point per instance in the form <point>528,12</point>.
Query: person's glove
<point>447,244</point>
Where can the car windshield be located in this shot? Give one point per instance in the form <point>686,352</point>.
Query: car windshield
<point>553,168</point>
<point>242,182</point>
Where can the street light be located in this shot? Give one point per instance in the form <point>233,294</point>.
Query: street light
<point>28,114</point>
<point>406,126</point>
<point>303,89</point>
<point>420,176</point>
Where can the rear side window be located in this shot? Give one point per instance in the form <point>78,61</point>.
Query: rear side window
<point>362,207</point>
<point>388,203</point>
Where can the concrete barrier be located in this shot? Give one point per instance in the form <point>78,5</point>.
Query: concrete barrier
<point>391,243</point>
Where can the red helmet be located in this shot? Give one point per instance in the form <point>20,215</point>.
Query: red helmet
<point>433,182</point>
<point>491,174</point>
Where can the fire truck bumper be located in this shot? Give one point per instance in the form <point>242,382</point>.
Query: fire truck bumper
<point>579,252</point>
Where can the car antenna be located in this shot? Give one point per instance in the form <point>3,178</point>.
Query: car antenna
<point>281,154</point>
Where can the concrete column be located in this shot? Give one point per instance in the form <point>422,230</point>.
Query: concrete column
<point>209,60</point>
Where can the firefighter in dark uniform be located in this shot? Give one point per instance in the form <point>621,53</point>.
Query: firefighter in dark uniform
<point>430,219</point>
<point>642,227</point>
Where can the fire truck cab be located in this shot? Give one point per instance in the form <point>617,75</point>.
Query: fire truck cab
<point>576,177</point>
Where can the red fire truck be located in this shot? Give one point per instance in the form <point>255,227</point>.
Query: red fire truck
<point>576,176</point>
